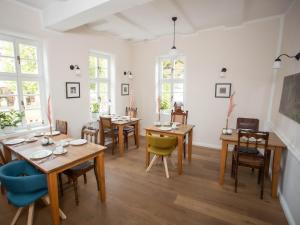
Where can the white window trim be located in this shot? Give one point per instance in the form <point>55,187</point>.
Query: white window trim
<point>19,77</point>
<point>172,81</point>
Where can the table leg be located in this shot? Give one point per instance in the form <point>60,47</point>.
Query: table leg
<point>180,148</point>
<point>121,140</point>
<point>147,153</point>
<point>101,176</point>
<point>223,161</point>
<point>53,195</point>
<point>7,154</point>
<point>276,171</point>
<point>190,145</point>
<point>137,133</point>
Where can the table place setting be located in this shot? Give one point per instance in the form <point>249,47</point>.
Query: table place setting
<point>166,126</point>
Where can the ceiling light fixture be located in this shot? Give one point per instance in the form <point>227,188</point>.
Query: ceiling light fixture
<point>173,50</point>
<point>277,62</point>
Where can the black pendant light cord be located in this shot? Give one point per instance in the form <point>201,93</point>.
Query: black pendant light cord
<point>174,20</point>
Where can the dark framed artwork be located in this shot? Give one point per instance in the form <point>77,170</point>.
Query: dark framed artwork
<point>290,97</point>
<point>72,90</point>
<point>223,90</point>
<point>124,89</point>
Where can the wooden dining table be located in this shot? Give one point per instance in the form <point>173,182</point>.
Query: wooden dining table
<point>180,133</point>
<point>55,164</point>
<point>275,144</point>
<point>120,123</point>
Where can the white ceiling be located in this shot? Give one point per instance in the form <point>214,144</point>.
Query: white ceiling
<point>148,19</point>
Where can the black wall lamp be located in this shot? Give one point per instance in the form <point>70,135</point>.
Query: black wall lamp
<point>129,73</point>
<point>76,68</point>
<point>277,62</point>
<point>223,71</point>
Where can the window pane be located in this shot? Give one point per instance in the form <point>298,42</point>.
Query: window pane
<point>30,87</point>
<point>166,69</point>
<point>179,69</point>
<point>33,116</point>
<point>103,87</point>
<point>28,52</point>
<point>103,63</point>
<point>178,87</point>
<point>8,103</point>
<point>7,48</point>
<point>29,66</point>
<point>104,103</point>
<point>165,101</point>
<point>8,87</point>
<point>166,87</point>
<point>92,67</point>
<point>178,97</point>
<point>7,65</point>
<point>32,102</point>
<point>103,72</point>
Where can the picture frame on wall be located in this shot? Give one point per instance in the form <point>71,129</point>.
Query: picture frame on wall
<point>124,89</point>
<point>223,90</point>
<point>72,90</point>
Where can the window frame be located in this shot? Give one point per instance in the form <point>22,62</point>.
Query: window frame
<point>19,77</point>
<point>97,80</point>
<point>171,81</point>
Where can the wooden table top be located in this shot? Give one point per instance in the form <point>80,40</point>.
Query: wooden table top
<point>125,122</point>
<point>274,140</point>
<point>181,129</point>
<point>74,154</point>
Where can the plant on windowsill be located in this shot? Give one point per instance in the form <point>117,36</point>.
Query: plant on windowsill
<point>9,120</point>
<point>95,109</point>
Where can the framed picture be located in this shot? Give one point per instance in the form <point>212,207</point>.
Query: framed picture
<point>72,89</point>
<point>223,90</point>
<point>124,89</point>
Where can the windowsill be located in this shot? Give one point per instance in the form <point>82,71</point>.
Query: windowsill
<point>23,131</point>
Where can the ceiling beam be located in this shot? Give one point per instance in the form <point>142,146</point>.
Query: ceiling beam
<point>67,15</point>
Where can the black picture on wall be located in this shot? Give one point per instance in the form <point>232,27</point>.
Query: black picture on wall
<point>290,97</point>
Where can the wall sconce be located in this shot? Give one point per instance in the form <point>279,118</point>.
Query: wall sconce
<point>277,62</point>
<point>76,68</point>
<point>223,71</point>
<point>129,73</point>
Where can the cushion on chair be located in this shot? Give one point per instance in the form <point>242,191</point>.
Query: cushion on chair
<point>161,145</point>
<point>248,150</point>
<point>128,129</point>
<point>82,166</point>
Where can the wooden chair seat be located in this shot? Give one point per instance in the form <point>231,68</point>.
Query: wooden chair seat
<point>251,160</point>
<point>129,130</point>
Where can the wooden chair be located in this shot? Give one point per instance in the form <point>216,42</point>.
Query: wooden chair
<point>107,130</point>
<point>61,126</point>
<point>252,124</point>
<point>91,135</point>
<point>130,130</point>
<point>179,116</point>
<point>243,154</point>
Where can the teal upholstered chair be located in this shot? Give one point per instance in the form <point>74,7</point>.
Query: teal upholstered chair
<point>161,147</point>
<point>24,185</point>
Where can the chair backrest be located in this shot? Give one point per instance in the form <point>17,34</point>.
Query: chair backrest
<point>61,126</point>
<point>131,111</point>
<point>20,177</point>
<point>105,123</point>
<point>251,139</point>
<point>90,134</point>
<point>247,123</point>
<point>179,116</point>
<point>165,142</point>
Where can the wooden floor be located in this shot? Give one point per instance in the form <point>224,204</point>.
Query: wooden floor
<point>135,197</point>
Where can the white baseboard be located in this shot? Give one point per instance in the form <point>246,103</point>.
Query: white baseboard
<point>202,144</point>
<point>286,210</point>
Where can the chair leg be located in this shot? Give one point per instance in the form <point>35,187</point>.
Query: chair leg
<point>96,175</point>
<point>232,167</point>
<point>60,184</point>
<point>262,184</point>
<point>113,145</point>
<point>236,176</point>
<point>85,179</point>
<point>46,200</point>
<point>151,163</point>
<point>16,217</point>
<point>184,150</point>
<point>30,214</point>
<point>259,176</point>
<point>268,152</point>
<point>75,182</point>
<point>166,167</point>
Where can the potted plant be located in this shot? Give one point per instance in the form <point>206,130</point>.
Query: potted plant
<point>10,119</point>
<point>95,109</point>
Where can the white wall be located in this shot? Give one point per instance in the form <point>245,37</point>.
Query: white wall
<point>288,129</point>
<point>247,52</point>
<point>62,50</point>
